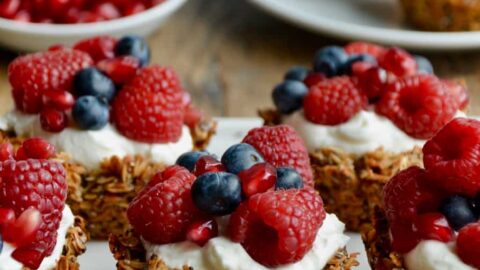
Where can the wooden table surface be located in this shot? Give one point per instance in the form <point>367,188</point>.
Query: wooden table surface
<point>230,55</point>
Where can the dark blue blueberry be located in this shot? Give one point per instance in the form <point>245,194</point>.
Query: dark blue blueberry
<point>134,46</point>
<point>1,243</point>
<point>423,64</point>
<point>296,74</point>
<point>240,157</point>
<point>188,159</point>
<point>288,96</point>
<point>288,178</point>
<point>90,113</point>
<point>92,82</point>
<point>475,202</point>
<point>330,60</point>
<point>217,193</point>
<point>458,211</point>
<point>347,67</point>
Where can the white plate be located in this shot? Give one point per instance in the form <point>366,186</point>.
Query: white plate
<point>230,131</point>
<point>370,20</point>
<point>36,37</point>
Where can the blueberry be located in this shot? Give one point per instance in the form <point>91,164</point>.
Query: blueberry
<point>296,74</point>
<point>134,46</point>
<point>329,60</point>
<point>288,178</point>
<point>92,82</point>
<point>347,66</point>
<point>423,64</point>
<point>217,193</point>
<point>188,159</point>
<point>240,157</point>
<point>90,113</point>
<point>458,211</point>
<point>288,96</point>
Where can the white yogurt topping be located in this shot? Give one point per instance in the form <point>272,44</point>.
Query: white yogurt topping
<point>434,255</point>
<point>221,253</point>
<point>9,263</point>
<point>90,147</point>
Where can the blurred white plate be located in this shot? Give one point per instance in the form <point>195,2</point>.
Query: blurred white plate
<point>230,131</point>
<point>370,20</point>
<point>19,36</point>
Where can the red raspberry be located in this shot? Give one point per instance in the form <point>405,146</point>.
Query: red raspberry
<point>333,101</point>
<point>34,74</point>
<point>399,62</point>
<point>6,151</point>
<point>98,48</point>
<point>459,93</point>
<point>38,184</point>
<point>403,237</point>
<point>107,10</point>
<point>258,178</point>
<point>433,226</point>
<point>201,231</point>
<point>282,147</point>
<point>452,157</point>
<point>286,220</point>
<point>9,8</point>
<point>419,105</point>
<point>207,164</point>
<point>53,120</point>
<point>149,108</point>
<point>313,78</point>
<point>121,69</point>
<point>468,241</point>
<point>372,82</point>
<point>38,148</point>
<point>154,215</point>
<point>360,47</point>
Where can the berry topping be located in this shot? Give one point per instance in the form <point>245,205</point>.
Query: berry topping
<point>58,100</point>
<point>347,67</point>
<point>7,217</point>
<point>313,78</point>
<point>458,92</point>
<point>53,120</point>
<point>286,235</point>
<point>259,178</point>
<point>468,241</point>
<point>419,105</point>
<point>22,230</point>
<point>359,47</point>
<point>296,74</point>
<point>403,236</point>
<point>207,164</point>
<point>240,157</point>
<point>288,96</point>
<point>92,82</point>
<point>433,226</point>
<point>99,48</point>
<point>288,178</point>
<point>459,211</point>
<point>372,82</point>
<point>38,148</point>
<point>90,113</point>
<point>333,101</point>
<point>149,108</point>
<point>201,231</point>
<point>399,62</point>
<point>121,69</point>
<point>282,146</point>
<point>330,60</point>
<point>153,215</point>
<point>423,64</point>
<point>6,151</point>
<point>134,46</point>
<point>217,193</point>
<point>189,159</point>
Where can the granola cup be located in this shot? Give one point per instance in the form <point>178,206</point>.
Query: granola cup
<point>443,15</point>
<point>351,186</point>
<point>102,196</point>
<point>129,253</point>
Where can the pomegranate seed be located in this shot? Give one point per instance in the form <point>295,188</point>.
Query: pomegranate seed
<point>201,231</point>
<point>8,8</point>
<point>24,229</point>
<point>372,82</point>
<point>20,155</point>
<point>53,120</point>
<point>29,257</point>
<point>121,69</point>
<point>38,148</point>
<point>259,178</point>
<point>6,151</point>
<point>23,16</point>
<point>207,164</point>
<point>433,226</point>
<point>7,217</point>
<point>192,117</point>
<point>313,78</point>
<point>56,47</point>
<point>107,10</point>
<point>134,8</point>
<point>59,100</point>
<point>360,67</point>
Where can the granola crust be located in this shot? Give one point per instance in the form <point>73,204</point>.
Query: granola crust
<point>129,253</point>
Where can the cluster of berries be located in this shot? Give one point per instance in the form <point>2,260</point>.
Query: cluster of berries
<point>345,80</point>
<point>256,184</point>
<point>444,197</point>
<point>33,191</point>
<point>102,79</point>
<point>72,11</point>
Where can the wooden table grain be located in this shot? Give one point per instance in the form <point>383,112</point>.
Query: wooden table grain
<point>230,55</point>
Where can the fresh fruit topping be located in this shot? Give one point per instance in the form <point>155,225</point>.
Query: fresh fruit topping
<point>189,159</point>
<point>452,157</point>
<point>217,193</point>
<point>6,151</point>
<point>372,82</point>
<point>38,148</point>
<point>240,157</point>
<point>433,226</point>
<point>207,164</point>
<point>468,241</point>
<point>153,215</point>
<point>7,217</point>
<point>330,60</point>
<point>423,64</point>
<point>282,146</point>
<point>201,232</point>
<point>296,74</point>
<point>121,69</point>
<point>359,47</point>
<point>458,92</point>
<point>259,178</point>
<point>419,105</point>
<point>92,82</point>
<point>347,67</point>
<point>313,78</point>
<point>53,120</point>
<point>90,113</point>
<point>20,154</point>
<point>288,96</point>
<point>99,48</point>
<point>403,236</point>
<point>399,62</point>
<point>149,108</point>
<point>134,46</point>
<point>23,230</point>
<point>459,211</point>
<point>333,101</point>
<point>288,178</point>
<point>192,116</point>
<point>58,100</point>
<point>34,74</point>
<point>286,235</point>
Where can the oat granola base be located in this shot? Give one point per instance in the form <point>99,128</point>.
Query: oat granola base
<point>102,196</point>
<point>129,253</point>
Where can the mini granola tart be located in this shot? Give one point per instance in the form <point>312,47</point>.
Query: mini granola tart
<point>37,229</point>
<point>254,209</point>
<point>114,120</point>
<point>364,111</point>
<point>429,218</point>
